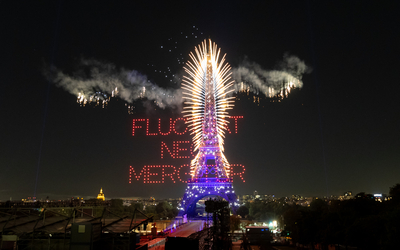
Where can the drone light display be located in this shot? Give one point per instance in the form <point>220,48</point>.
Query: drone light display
<point>173,124</point>
<point>153,174</point>
<point>176,150</point>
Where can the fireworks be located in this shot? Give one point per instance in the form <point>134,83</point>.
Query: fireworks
<point>207,97</point>
<point>206,94</point>
<point>175,49</point>
<point>274,84</point>
<point>280,88</point>
<point>96,83</point>
<point>97,98</point>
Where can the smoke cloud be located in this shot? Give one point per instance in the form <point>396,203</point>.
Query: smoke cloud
<point>249,76</point>
<point>98,82</point>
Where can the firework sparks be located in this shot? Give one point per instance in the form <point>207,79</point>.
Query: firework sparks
<point>97,83</point>
<point>251,78</point>
<point>105,81</point>
<point>206,93</point>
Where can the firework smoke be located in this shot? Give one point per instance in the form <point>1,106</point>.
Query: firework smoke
<point>249,76</point>
<point>98,82</point>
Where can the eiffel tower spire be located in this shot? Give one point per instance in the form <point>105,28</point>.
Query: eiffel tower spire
<point>206,94</point>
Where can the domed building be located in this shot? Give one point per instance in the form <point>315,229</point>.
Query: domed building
<point>101,196</point>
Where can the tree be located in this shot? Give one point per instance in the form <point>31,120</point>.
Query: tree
<point>150,210</point>
<point>162,207</point>
<point>318,205</point>
<point>234,222</point>
<point>243,211</point>
<point>395,192</point>
<point>256,209</point>
<point>164,210</point>
<point>117,206</point>
<point>292,217</point>
<point>137,205</point>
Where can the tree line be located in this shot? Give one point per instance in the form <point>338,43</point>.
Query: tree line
<point>361,222</point>
<point>163,210</point>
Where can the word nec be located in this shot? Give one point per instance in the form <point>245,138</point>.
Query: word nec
<point>176,126</point>
<point>162,173</point>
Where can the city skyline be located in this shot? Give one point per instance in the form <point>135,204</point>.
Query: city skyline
<point>338,132</point>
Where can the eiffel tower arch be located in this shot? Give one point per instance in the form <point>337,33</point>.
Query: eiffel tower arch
<point>197,191</point>
<point>206,101</point>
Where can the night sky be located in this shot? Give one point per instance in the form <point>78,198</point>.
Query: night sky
<point>339,133</point>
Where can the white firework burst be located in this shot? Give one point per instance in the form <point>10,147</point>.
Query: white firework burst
<point>206,97</point>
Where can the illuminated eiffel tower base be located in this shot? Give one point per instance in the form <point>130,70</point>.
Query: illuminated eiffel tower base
<point>195,191</point>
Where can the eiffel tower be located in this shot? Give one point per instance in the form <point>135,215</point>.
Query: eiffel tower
<point>206,101</point>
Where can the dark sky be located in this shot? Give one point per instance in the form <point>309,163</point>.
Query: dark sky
<point>339,133</point>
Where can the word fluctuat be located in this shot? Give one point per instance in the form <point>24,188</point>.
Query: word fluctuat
<point>178,126</point>
<point>159,173</point>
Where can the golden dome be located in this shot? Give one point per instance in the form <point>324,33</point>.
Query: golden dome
<point>100,196</point>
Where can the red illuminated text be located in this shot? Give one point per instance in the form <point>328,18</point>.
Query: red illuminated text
<point>179,150</point>
<point>160,173</point>
<point>176,126</point>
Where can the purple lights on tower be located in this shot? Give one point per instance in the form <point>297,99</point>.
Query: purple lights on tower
<point>205,93</point>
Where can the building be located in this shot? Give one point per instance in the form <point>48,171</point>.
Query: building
<point>101,196</point>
